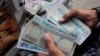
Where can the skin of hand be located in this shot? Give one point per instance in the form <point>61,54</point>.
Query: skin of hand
<point>89,17</point>
<point>52,49</point>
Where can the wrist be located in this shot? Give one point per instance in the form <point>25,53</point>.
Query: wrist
<point>95,19</point>
<point>97,11</point>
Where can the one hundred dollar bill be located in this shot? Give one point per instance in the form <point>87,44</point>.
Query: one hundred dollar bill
<point>35,29</point>
<point>74,26</point>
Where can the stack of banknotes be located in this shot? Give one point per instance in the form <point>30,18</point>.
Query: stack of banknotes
<point>65,36</point>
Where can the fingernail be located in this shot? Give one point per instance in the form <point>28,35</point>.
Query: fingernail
<point>62,19</point>
<point>46,36</point>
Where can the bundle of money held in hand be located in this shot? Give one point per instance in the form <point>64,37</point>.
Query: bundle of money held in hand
<point>65,36</point>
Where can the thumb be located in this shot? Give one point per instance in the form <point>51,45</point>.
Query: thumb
<point>53,50</point>
<point>49,42</point>
<point>69,15</point>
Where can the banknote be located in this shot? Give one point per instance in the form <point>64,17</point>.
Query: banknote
<point>32,6</point>
<point>27,46</point>
<point>44,23</point>
<point>31,47</point>
<point>74,26</point>
<point>35,29</point>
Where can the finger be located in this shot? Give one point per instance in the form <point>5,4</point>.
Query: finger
<point>69,15</point>
<point>41,54</point>
<point>49,42</point>
<point>53,50</point>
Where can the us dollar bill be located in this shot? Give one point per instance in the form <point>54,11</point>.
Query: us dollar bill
<point>74,26</point>
<point>35,29</point>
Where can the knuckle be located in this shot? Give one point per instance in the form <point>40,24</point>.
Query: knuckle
<point>53,50</point>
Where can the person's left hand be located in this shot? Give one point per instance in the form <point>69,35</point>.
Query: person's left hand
<point>52,49</point>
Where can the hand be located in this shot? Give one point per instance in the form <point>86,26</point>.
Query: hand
<point>52,49</point>
<point>89,17</point>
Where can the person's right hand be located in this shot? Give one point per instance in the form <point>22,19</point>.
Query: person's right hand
<point>89,17</point>
<point>53,50</point>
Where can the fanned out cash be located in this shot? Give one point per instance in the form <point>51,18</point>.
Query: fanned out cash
<point>32,37</point>
<point>74,27</point>
<point>65,36</point>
